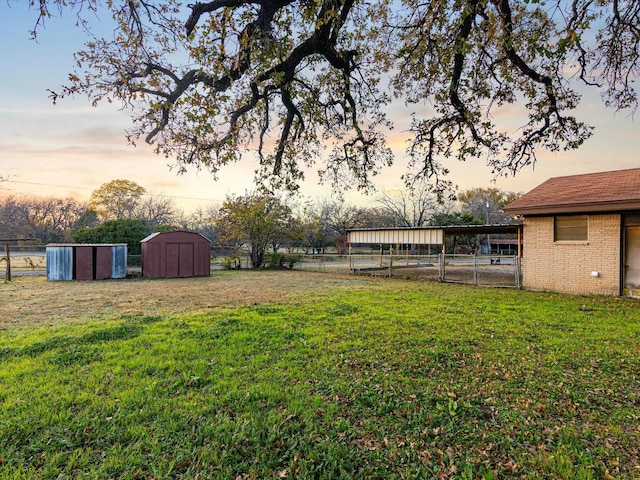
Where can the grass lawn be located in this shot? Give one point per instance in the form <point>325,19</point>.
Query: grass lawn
<point>300,375</point>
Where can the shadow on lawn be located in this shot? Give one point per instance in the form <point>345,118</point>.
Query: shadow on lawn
<point>124,331</point>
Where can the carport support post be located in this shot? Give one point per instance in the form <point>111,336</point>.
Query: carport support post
<point>520,242</point>
<point>519,257</point>
<point>475,267</point>
<point>443,260</point>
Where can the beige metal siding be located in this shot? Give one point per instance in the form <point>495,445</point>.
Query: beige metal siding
<point>397,237</point>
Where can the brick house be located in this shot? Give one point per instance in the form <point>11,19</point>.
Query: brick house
<point>582,233</point>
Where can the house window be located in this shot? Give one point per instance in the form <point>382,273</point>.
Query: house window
<point>571,228</point>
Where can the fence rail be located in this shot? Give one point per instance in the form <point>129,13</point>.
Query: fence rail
<point>496,270</point>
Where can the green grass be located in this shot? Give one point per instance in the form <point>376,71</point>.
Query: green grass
<point>363,379</point>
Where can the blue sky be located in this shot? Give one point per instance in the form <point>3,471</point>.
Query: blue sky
<point>72,148</point>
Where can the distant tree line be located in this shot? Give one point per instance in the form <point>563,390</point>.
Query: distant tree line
<point>119,211</point>
<point>122,211</point>
<point>45,219</point>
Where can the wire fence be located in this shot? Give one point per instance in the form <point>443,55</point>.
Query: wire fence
<point>493,270</point>
<point>31,258</point>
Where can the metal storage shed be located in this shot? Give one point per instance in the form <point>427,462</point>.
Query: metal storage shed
<point>80,261</point>
<point>176,254</point>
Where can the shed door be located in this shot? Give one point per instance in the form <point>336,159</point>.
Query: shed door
<point>173,259</point>
<point>83,268</point>
<point>153,265</point>
<point>185,269</point>
<point>632,261</point>
<point>203,260</point>
<point>103,261</point>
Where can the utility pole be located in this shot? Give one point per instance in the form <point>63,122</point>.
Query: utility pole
<point>486,204</point>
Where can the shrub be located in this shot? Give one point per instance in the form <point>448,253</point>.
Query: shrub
<point>279,260</point>
<point>127,231</point>
<point>231,262</point>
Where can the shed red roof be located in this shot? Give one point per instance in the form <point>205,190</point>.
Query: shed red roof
<point>592,192</point>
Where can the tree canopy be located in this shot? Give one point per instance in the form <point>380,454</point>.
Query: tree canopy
<point>255,220</point>
<point>123,199</point>
<point>116,200</point>
<point>306,81</point>
<point>487,203</point>
<point>410,208</point>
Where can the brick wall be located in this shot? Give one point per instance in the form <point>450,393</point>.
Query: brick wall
<point>568,266</point>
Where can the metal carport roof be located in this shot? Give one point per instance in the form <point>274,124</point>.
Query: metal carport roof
<point>426,235</point>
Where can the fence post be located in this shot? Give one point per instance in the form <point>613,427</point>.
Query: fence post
<point>475,268</point>
<point>7,273</point>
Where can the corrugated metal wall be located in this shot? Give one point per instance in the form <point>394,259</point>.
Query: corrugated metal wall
<point>59,263</point>
<point>119,261</point>
<point>430,236</point>
<point>86,261</point>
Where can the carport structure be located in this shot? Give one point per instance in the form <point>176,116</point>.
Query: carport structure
<point>428,236</point>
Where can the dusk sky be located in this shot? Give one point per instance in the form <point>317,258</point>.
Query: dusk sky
<point>71,148</point>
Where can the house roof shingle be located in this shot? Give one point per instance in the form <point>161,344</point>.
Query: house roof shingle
<point>592,192</point>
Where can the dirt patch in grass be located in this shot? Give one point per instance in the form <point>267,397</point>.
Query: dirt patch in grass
<point>32,300</point>
<point>487,275</point>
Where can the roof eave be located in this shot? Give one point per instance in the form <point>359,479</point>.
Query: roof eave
<point>584,207</point>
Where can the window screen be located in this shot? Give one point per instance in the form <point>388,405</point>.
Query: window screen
<point>571,227</point>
